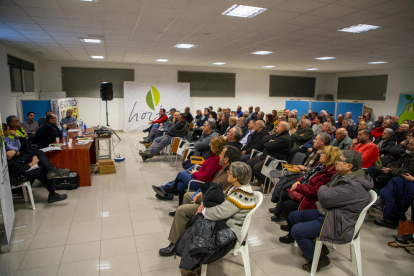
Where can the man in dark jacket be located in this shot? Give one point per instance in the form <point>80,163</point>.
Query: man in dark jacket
<point>303,134</point>
<point>276,145</point>
<point>241,122</point>
<point>223,125</point>
<point>233,137</point>
<point>256,142</point>
<point>47,133</point>
<point>340,203</point>
<point>350,128</point>
<point>176,129</point>
<point>401,134</point>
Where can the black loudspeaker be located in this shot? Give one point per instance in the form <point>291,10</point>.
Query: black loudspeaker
<point>107,94</point>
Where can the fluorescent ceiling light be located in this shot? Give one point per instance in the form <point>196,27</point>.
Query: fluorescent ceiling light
<point>360,28</point>
<point>91,40</point>
<point>89,0</point>
<point>219,63</point>
<point>161,60</point>
<point>98,57</point>
<point>243,11</point>
<point>261,53</point>
<point>312,69</point>
<point>185,46</point>
<point>377,62</point>
<point>324,58</point>
<point>269,66</point>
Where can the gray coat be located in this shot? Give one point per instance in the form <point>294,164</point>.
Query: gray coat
<point>342,145</point>
<point>301,136</point>
<point>344,198</point>
<point>202,146</point>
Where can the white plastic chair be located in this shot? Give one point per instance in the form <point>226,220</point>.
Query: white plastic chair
<point>355,244</point>
<point>181,149</point>
<point>27,185</point>
<point>243,248</point>
<point>266,169</point>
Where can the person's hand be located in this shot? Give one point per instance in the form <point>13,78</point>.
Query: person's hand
<point>10,154</point>
<point>299,168</point>
<point>310,149</point>
<point>385,170</point>
<point>408,176</point>
<point>244,152</point>
<point>14,134</point>
<point>161,125</point>
<point>35,160</point>
<point>302,134</point>
<point>64,126</point>
<point>197,196</point>
<point>271,141</point>
<point>355,141</point>
<point>200,209</point>
<point>295,185</point>
<point>150,123</point>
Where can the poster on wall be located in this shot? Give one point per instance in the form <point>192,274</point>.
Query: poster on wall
<point>405,108</point>
<point>61,106</point>
<point>6,199</point>
<point>143,101</point>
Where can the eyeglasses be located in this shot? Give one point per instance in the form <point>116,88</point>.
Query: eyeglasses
<point>228,172</point>
<point>324,153</point>
<point>342,161</point>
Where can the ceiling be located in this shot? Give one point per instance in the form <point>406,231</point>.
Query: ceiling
<point>141,31</point>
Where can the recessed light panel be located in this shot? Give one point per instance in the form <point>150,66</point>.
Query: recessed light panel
<point>97,57</point>
<point>219,63</point>
<point>89,0</point>
<point>185,46</point>
<point>377,62</point>
<point>243,11</point>
<point>269,66</point>
<point>312,69</point>
<point>324,58</point>
<point>91,40</point>
<point>161,60</point>
<point>360,28</point>
<point>261,53</point>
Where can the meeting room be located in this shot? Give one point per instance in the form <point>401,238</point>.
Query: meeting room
<point>207,137</point>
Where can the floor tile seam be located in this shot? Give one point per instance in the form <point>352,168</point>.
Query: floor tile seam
<point>37,268</point>
<point>81,260</point>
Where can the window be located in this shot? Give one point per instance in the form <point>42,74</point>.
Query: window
<point>21,74</point>
<point>206,84</point>
<point>289,86</point>
<point>86,82</point>
<point>363,88</point>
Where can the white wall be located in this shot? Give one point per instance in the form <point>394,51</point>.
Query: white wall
<point>252,88</point>
<point>10,102</point>
<point>400,81</point>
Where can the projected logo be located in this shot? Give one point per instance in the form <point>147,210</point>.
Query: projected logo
<point>153,98</point>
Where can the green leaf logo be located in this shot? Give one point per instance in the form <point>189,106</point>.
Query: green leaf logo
<point>408,97</point>
<point>153,98</point>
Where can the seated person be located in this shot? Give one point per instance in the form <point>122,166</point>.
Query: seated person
<point>241,122</point>
<point>248,134</point>
<point>42,120</point>
<point>276,146</point>
<point>239,200</point>
<point>70,121</point>
<point>192,201</point>
<point>232,123</point>
<point>342,140</point>
<point>233,137</point>
<point>405,165</point>
<point>202,146</point>
<point>206,173</point>
<point>403,144</point>
<point>401,133</point>
<point>395,199</point>
<point>197,118</point>
<point>361,125</point>
<point>198,129</point>
<point>377,132</point>
<point>15,128</point>
<point>21,163</point>
<point>161,119</point>
<point>350,128</point>
<point>302,135</point>
<point>156,128</point>
<point>307,188</point>
<point>256,142</point>
<point>177,129</point>
<point>369,150</point>
<point>316,127</point>
<point>30,126</point>
<point>188,114</point>
<point>224,124</point>
<point>47,133</point>
<point>340,203</point>
<point>386,141</point>
<point>269,124</point>
<point>321,141</point>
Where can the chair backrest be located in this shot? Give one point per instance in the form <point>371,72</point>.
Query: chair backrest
<point>189,136</point>
<point>182,146</point>
<point>255,153</point>
<point>298,158</point>
<point>246,224</point>
<point>269,165</point>
<point>361,217</point>
<point>190,126</point>
<point>175,145</point>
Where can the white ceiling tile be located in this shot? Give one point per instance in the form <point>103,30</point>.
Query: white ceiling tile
<point>160,12</point>
<point>332,11</point>
<point>16,19</point>
<point>11,10</point>
<point>152,24</point>
<point>360,4</point>
<point>48,4</point>
<point>84,15</point>
<point>21,26</point>
<point>42,12</point>
<point>87,23</point>
<point>51,21</point>
<point>300,6</point>
<point>274,15</point>
<point>115,8</point>
<point>308,20</point>
<point>79,5</point>
<point>394,7</point>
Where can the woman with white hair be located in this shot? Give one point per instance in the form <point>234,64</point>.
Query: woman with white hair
<point>386,141</point>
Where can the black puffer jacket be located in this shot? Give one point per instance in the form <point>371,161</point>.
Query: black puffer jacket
<point>206,241</point>
<point>280,146</point>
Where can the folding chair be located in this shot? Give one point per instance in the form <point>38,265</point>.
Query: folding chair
<point>25,184</point>
<point>180,150</point>
<point>243,247</point>
<point>269,165</point>
<point>297,159</point>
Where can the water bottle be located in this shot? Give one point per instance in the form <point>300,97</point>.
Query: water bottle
<point>81,124</point>
<point>64,136</point>
<point>84,127</point>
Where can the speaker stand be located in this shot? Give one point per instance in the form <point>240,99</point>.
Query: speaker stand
<point>107,121</point>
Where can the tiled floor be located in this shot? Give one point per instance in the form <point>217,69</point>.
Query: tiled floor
<point>116,226</point>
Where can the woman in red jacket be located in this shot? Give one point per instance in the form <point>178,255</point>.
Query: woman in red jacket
<point>304,191</point>
<point>206,173</point>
